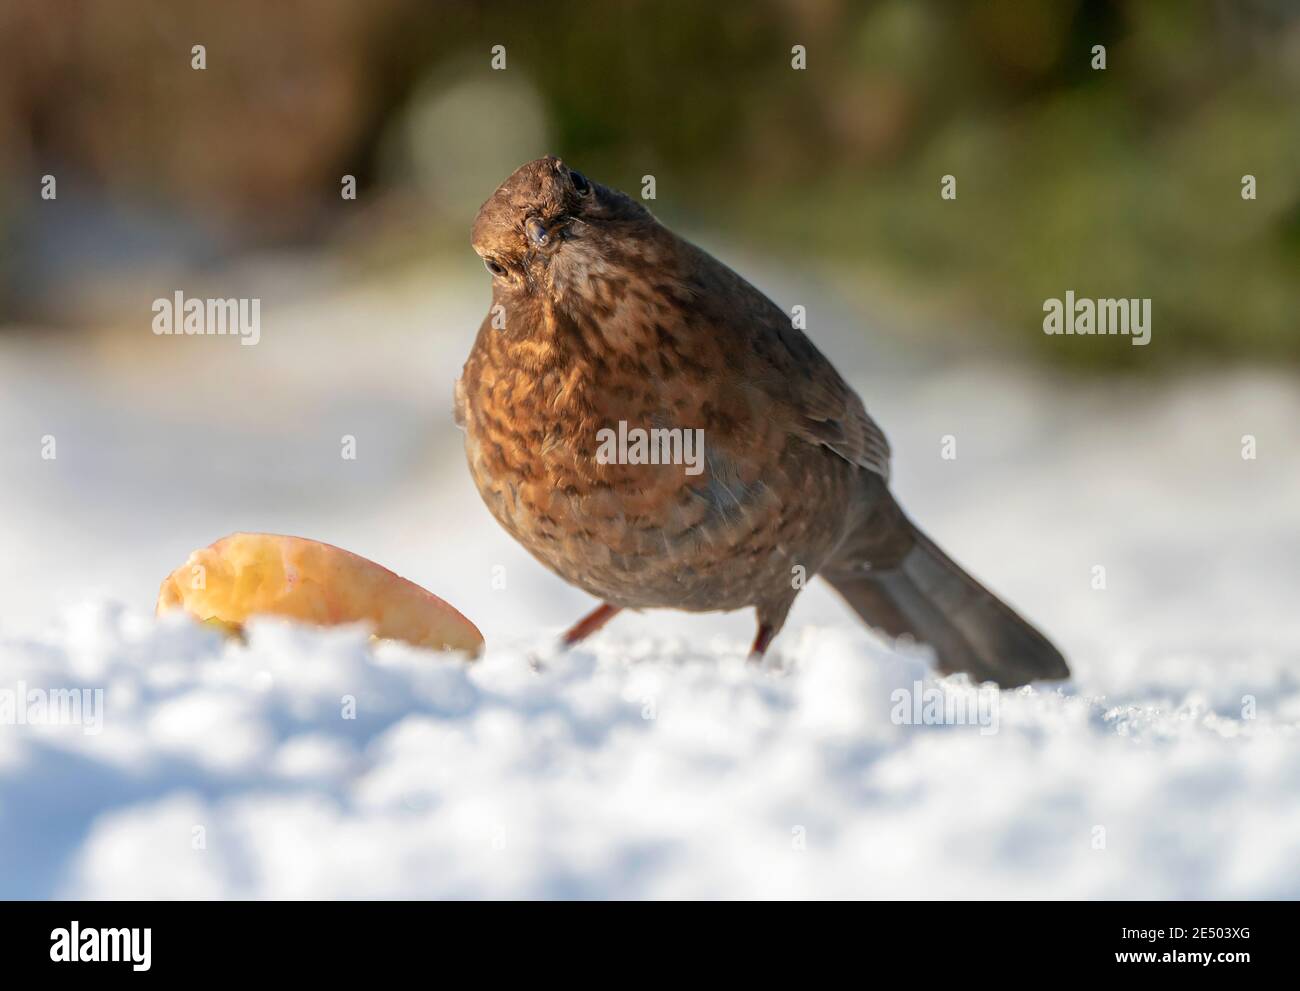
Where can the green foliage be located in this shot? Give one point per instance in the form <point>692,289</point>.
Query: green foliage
<point>1117,182</point>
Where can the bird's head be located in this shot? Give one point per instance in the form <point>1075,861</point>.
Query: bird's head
<point>549,229</point>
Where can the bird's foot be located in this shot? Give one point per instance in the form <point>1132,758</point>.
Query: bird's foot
<point>588,625</point>
<point>574,635</point>
<point>761,642</point>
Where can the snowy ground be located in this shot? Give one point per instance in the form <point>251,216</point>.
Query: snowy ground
<point>640,768</point>
<point>655,762</point>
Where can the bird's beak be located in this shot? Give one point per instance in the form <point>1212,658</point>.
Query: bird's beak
<point>536,231</point>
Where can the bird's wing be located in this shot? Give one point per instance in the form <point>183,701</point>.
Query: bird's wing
<point>823,407</point>
<point>798,381</point>
<point>837,420</point>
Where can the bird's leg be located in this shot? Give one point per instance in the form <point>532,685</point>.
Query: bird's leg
<point>766,632</point>
<point>771,617</point>
<point>589,624</point>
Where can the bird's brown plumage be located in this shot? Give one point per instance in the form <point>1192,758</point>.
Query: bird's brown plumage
<point>599,315</point>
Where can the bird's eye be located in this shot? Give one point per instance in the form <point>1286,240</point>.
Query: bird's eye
<point>580,182</point>
<point>495,267</point>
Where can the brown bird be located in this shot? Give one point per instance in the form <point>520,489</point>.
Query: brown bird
<point>610,342</point>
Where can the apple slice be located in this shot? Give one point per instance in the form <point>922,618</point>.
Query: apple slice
<point>256,574</point>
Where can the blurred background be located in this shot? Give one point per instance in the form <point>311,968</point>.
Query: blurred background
<point>1112,181</point>
<point>821,185</point>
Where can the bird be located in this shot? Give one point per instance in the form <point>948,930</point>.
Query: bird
<point>606,324</point>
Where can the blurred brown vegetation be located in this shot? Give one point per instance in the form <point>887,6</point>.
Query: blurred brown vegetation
<point>1122,182</point>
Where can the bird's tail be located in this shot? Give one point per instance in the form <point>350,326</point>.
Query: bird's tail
<point>925,594</point>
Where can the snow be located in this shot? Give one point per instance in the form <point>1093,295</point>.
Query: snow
<point>638,767</point>
<point>653,761</point>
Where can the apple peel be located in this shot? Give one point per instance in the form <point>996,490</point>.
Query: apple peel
<point>265,574</point>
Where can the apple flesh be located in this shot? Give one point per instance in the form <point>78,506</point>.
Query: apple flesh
<point>265,574</point>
